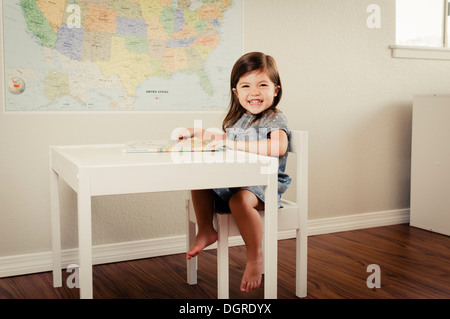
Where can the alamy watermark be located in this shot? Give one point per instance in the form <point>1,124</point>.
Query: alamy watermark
<point>374,280</point>
<point>374,19</point>
<point>73,280</point>
<point>251,134</point>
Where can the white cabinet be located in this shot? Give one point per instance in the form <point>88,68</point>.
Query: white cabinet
<point>430,163</point>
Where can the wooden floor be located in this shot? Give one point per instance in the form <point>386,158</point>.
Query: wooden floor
<point>414,264</point>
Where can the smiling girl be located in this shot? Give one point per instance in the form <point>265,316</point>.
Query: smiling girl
<point>253,124</point>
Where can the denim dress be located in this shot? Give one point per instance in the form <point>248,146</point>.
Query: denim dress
<point>245,130</point>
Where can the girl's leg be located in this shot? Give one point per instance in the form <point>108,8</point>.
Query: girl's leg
<point>203,201</point>
<point>244,206</point>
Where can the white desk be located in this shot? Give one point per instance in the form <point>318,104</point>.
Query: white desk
<point>95,170</point>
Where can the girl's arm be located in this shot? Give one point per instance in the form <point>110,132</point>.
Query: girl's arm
<point>201,134</point>
<point>275,146</point>
<point>210,135</point>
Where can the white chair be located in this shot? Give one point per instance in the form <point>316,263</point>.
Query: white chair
<point>292,216</point>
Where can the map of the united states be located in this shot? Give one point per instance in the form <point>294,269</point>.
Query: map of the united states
<point>129,40</point>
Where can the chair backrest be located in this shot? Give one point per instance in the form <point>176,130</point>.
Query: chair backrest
<point>298,145</point>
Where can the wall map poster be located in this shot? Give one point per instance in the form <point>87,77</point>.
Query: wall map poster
<point>119,55</point>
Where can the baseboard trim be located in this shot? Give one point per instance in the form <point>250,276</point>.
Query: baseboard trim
<point>358,221</point>
<point>109,253</point>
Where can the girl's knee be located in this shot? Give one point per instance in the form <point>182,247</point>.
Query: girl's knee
<point>243,199</point>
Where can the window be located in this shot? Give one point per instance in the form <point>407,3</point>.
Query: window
<point>419,22</point>
<point>422,29</point>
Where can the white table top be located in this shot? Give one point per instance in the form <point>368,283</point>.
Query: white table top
<point>112,171</point>
<point>112,155</point>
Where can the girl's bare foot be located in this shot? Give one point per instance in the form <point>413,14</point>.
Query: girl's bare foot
<point>251,279</point>
<point>203,239</point>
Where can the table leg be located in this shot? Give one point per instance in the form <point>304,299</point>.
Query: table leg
<point>223,281</point>
<point>56,228</point>
<point>271,237</point>
<point>191,233</point>
<point>85,236</point>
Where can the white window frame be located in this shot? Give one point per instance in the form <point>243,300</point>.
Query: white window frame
<point>423,52</point>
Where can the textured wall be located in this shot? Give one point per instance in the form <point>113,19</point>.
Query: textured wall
<point>340,84</point>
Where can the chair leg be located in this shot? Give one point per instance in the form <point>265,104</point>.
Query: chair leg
<point>301,264</point>
<point>262,248</point>
<point>222,257</point>
<point>191,231</point>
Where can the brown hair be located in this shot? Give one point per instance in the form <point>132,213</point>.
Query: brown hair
<point>250,62</point>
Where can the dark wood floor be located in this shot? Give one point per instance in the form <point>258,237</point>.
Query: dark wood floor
<point>414,264</point>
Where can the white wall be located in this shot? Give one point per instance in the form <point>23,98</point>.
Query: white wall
<point>340,84</point>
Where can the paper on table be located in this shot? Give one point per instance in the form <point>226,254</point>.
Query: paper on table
<point>158,146</point>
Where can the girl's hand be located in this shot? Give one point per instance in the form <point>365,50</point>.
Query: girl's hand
<point>230,144</point>
<point>215,144</point>
<point>275,146</point>
<point>185,134</point>
<point>219,143</point>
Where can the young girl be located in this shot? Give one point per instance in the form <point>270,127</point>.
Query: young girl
<point>253,124</point>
